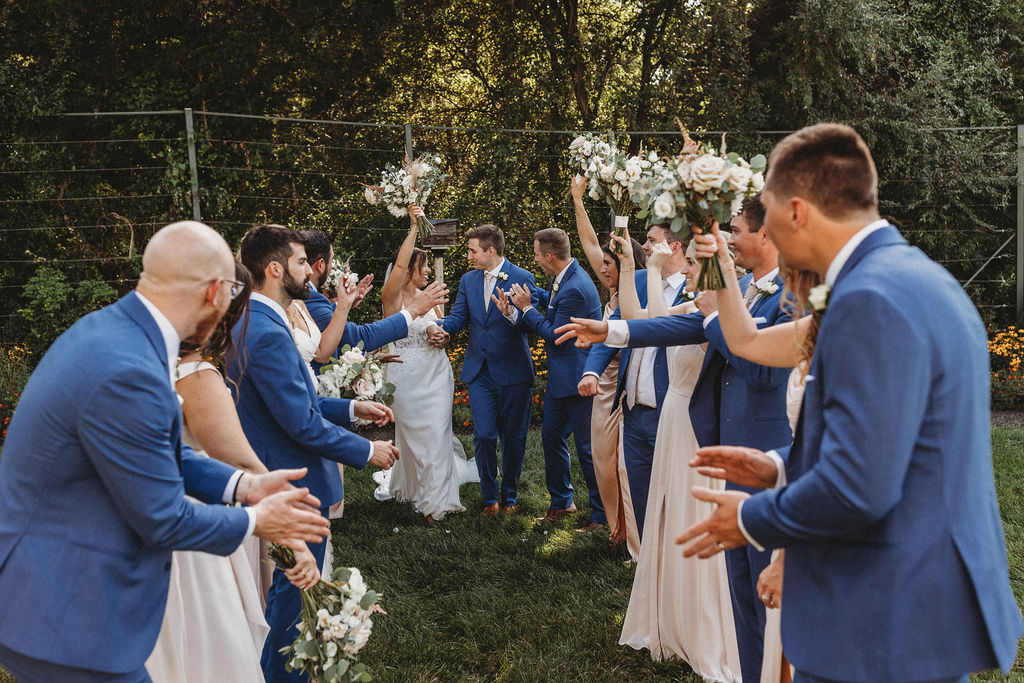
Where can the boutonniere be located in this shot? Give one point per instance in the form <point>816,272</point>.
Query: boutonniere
<point>554,287</point>
<point>687,296</point>
<point>502,275</point>
<point>768,288</point>
<point>818,297</point>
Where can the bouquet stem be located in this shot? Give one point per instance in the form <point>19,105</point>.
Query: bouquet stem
<point>710,276</point>
<point>426,227</point>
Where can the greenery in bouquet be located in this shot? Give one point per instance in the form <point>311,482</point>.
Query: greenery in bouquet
<point>698,187</point>
<point>356,375</point>
<point>613,175</point>
<point>334,624</point>
<point>340,272</point>
<point>411,183</point>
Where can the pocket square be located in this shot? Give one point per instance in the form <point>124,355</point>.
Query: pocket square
<point>809,378</point>
<point>760,320</point>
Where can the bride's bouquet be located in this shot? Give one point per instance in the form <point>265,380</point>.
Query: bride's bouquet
<point>334,624</point>
<point>340,273</point>
<point>700,186</point>
<point>613,175</point>
<point>358,376</point>
<point>411,183</point>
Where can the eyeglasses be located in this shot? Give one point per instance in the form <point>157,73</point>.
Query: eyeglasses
<point>236,288</point>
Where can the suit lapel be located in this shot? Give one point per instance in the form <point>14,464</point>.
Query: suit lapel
<point>887,236</point>
<point>497,285</point>
<point>552,294</point>
<point>137,311</point>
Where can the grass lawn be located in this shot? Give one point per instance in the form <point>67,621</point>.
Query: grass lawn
<point>484,599</point>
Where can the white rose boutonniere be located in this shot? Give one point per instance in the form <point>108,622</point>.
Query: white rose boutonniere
<point>818,297</point>
<point>554,287</point>
<point>503,276</point>
<point>768,288</point>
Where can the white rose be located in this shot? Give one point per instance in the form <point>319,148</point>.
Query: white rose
<point>664,206</point>
<point>684,171</point>
<point>352,356</point>
<point>737,205</point>
<point>757,181</point>
<point>621,176</point>
<point>588,148</point>
<point>708,172</point>
<point>739,178</point>
<point>370,195</point>
<point>817,298</point>
<point>652,157</point>
<point>594,194</point>
<point>607,172</point>
<point>364,388</point>
<point>668,182</point>
<point>577,143</point>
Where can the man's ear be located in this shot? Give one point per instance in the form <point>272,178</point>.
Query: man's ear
<point>211,292</point>
<point>274,270</point>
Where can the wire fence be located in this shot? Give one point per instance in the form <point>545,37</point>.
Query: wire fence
<point>80,199</point>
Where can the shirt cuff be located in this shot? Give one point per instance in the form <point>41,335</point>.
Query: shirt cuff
<point>370,453</point>
<point>252,522</point>
<point>228,497</point>
<point>352,411</point>
<point>709,318</point>
<point>618,334</point>
<point>743,529</point>
<point>780,466</point>
<point>408,317</point>
<point>513,316</point>
<point>592,373</point>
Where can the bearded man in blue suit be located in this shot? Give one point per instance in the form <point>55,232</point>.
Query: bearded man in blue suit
<point>896,566</point>
<point>497,367</point>
<point>286,422</point>
<point>94,476</point>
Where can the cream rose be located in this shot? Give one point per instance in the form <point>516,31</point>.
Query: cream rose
<point>757,181</point>
<point>707,172</point>
<point>739,178</point>
<point>352,356</point>
<point>364,388</point>
<point>664,206</point>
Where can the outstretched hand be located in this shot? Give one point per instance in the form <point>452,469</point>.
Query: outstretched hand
<point>502,301</point>
<point>378,413</point>
<point>252,488</point>
<point>584,331</point>
<point>362,289</point>
<point>520,296</point>
<point>285,518</point>
<point>743,466</point>
<point>720,531</point>
<point>434,294</point>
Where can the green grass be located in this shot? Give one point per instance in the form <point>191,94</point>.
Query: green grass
<point>498,599</point>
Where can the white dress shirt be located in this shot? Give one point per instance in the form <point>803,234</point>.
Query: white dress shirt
<point>276,307</point>
<point>172,343</point>
<point>760,284</point>
<point>834,268</point>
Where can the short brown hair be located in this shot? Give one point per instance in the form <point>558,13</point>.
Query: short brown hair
<point>265,243</point>
<point>829,165</point>
<point>488,235</point>
<point>752,209</point>
<point>553,241</point>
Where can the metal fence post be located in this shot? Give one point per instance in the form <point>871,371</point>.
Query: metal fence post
<point>408,141</point>
<point>193,169</point>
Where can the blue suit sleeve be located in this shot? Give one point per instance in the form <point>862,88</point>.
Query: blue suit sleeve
<point>293,410</point>
<point>667,330</point>
<point>571,305</point>
<point>134,456</point>
<point>336,411</point>
<point>759,377</point>
<point>458,316</point>
<point>376,334</point>
<point>205,478</point>
<point>864,453</point>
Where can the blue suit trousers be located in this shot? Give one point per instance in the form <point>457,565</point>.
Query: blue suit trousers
<point>639,430</point>
<point>30,670</point>
<point>499,412</point>
<point>283,608</point>
<point>563,415</point>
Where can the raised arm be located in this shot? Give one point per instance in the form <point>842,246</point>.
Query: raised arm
<point>588,237</point>
<point>391,294</point>
<point>776,346</point>
<point>330,336</point>
<point>629,300</point>
<point>659,257</point>
<point>210,415</point>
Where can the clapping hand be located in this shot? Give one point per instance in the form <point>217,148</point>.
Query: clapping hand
<point>287,519</point>
<point>660,254</point>
<point>252,488</point>
<point>362,289</point>
<point>377,413</point>
<point>585,331</point>
<point>520,296</point>
<point>502,301</point>
<point>425,299</point>
<point>720,531</point>
<point>743,466</point>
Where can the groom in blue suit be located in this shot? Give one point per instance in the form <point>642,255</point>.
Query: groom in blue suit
<point>896,566</point>
<point>734,401</point>
<point>94,476</point>
<point>497,368</point>
<point>286,422</point>
<point>572,293</point>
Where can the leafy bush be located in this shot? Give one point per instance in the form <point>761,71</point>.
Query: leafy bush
<point>1006,351</point>
<point>14,373</point>
<point>54,305</point>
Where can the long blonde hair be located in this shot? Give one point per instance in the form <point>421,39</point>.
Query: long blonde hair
<point>796,289</point>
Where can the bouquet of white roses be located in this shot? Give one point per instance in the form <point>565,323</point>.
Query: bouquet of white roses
<point>696,188</point>
<point>340,273</point>
<point>334,624</point>
<point>358,376</point>
<point>411,183</point>
<point>613,174</point>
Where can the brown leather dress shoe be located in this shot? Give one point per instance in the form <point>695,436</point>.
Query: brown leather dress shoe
<point>508,509</point>
<point>555,514</point>
<point>490,510</point>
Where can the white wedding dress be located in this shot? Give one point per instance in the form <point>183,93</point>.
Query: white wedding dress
<point>432,464</point>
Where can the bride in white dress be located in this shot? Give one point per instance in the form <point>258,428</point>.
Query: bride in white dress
<point>433,464</point>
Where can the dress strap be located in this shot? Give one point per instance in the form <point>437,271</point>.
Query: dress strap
<point>186,369</point>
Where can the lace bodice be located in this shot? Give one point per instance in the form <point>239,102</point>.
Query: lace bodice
<point>417,337</point>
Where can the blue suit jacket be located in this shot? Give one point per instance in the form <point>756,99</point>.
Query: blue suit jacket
<point>92,497</point>
<point>492,338</point>
<point>286,422</point>
<point>576,297</point>
<point>600,355</point>
<point>734,402</point>
<point>373,335</point>
<point>893,540</point>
